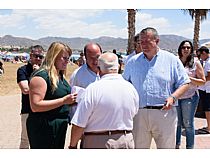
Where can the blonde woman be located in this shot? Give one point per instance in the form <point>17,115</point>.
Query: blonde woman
<point>50,99</point>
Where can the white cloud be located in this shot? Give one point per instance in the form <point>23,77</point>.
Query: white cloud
<point>14,20</point>
<point>73,13</point>
<point>205,32</point>
<point>164,25</point>
<point>65,23</point>
<point>39,23</point>
<point>71,23</point>
<point>144,20</point>
<point>187,30</point>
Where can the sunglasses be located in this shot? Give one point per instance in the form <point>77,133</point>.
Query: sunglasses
<point>38,56</point>
<point>98,67</point>
<point>186,47</point>
<point>65,58</point>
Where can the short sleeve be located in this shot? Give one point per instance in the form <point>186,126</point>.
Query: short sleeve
<point>21,75</point>
<point>127,71</point>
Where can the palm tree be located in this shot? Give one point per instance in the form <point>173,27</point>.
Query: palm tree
<point>199,15</point>
<point>131,29</point>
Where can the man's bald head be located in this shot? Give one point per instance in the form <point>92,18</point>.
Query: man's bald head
<point>92,51</point>
<point>108,63</point>
<point>90,47</point>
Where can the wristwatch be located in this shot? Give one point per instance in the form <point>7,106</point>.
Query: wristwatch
<point>174,98</point>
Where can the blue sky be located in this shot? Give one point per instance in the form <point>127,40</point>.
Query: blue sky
<point>92,23</point>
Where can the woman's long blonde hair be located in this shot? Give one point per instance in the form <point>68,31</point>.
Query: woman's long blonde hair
<point>49,62</point>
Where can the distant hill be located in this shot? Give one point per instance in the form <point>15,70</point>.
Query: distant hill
<point>168,42</point>
<point>9,40</point>
<point>75,43</point>
<point>171,42</point>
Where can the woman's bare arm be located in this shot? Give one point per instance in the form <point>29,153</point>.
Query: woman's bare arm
<point>38,88</point>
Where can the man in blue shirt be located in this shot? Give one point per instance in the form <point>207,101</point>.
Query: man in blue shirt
<point>88,72</point>
<point>159,78</point>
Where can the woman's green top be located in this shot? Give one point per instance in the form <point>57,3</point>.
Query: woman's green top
<point>63,88</point>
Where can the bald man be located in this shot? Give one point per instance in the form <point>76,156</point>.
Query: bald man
<point>88,72</point>
<point>105,114</point>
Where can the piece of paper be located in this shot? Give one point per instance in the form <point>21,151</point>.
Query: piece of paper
<point>79,91</point>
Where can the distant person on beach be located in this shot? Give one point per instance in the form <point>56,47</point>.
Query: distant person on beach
<point>23,75</point>
<point>50,98</point>
<point>188,102</point>
<point>81,60</point>
<point>160,79</point>
<point>204,90</point>
<point>1,68</point>
<point>88,72</point>
<point>120,60</point>
<point>137,46</point>
<point>106,121</point>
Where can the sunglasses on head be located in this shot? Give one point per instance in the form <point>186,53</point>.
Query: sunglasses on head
<point>38,56</point>
<point>186,47</point>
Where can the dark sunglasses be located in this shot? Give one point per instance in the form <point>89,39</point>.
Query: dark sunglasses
<point>98,68</point>
<point>66,58</point>
<point>38,56</point>
<point>185,47</point>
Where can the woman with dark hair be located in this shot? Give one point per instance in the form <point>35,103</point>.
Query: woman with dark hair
<point>188,102</point>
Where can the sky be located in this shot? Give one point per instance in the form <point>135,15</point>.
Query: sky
<point>91,23</point>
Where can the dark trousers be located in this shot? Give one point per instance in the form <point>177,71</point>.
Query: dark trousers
<point>46,133</point>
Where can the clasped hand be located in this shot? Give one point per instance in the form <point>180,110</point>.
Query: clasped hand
<point>70,98</point>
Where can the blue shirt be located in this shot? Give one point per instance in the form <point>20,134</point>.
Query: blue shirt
<point>157,79</point>
<point>83,76</point>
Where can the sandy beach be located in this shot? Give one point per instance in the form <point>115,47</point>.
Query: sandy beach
<point>10,125</point>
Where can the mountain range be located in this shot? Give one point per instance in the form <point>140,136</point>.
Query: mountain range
<point>167,42</point>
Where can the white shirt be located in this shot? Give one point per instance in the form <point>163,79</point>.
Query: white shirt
<point>83,76</point>
<point>108,104</point>
<point>206,68</point>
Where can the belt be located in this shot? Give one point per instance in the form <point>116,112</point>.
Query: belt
<point>108,132</point>
<point>153,107</point>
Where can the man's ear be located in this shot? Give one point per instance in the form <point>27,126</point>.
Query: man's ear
<point>157,40</point>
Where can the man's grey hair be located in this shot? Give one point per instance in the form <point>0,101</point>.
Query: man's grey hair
<point>150,29</point>
<point>108,64</point>
<point>136,37</point>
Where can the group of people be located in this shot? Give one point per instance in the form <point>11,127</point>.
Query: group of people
<point>116,110</point>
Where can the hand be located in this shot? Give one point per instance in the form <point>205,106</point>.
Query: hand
<point>35,67</point>
<point>169,103</point>
<point>72,147</point>
<point>70,98</point>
